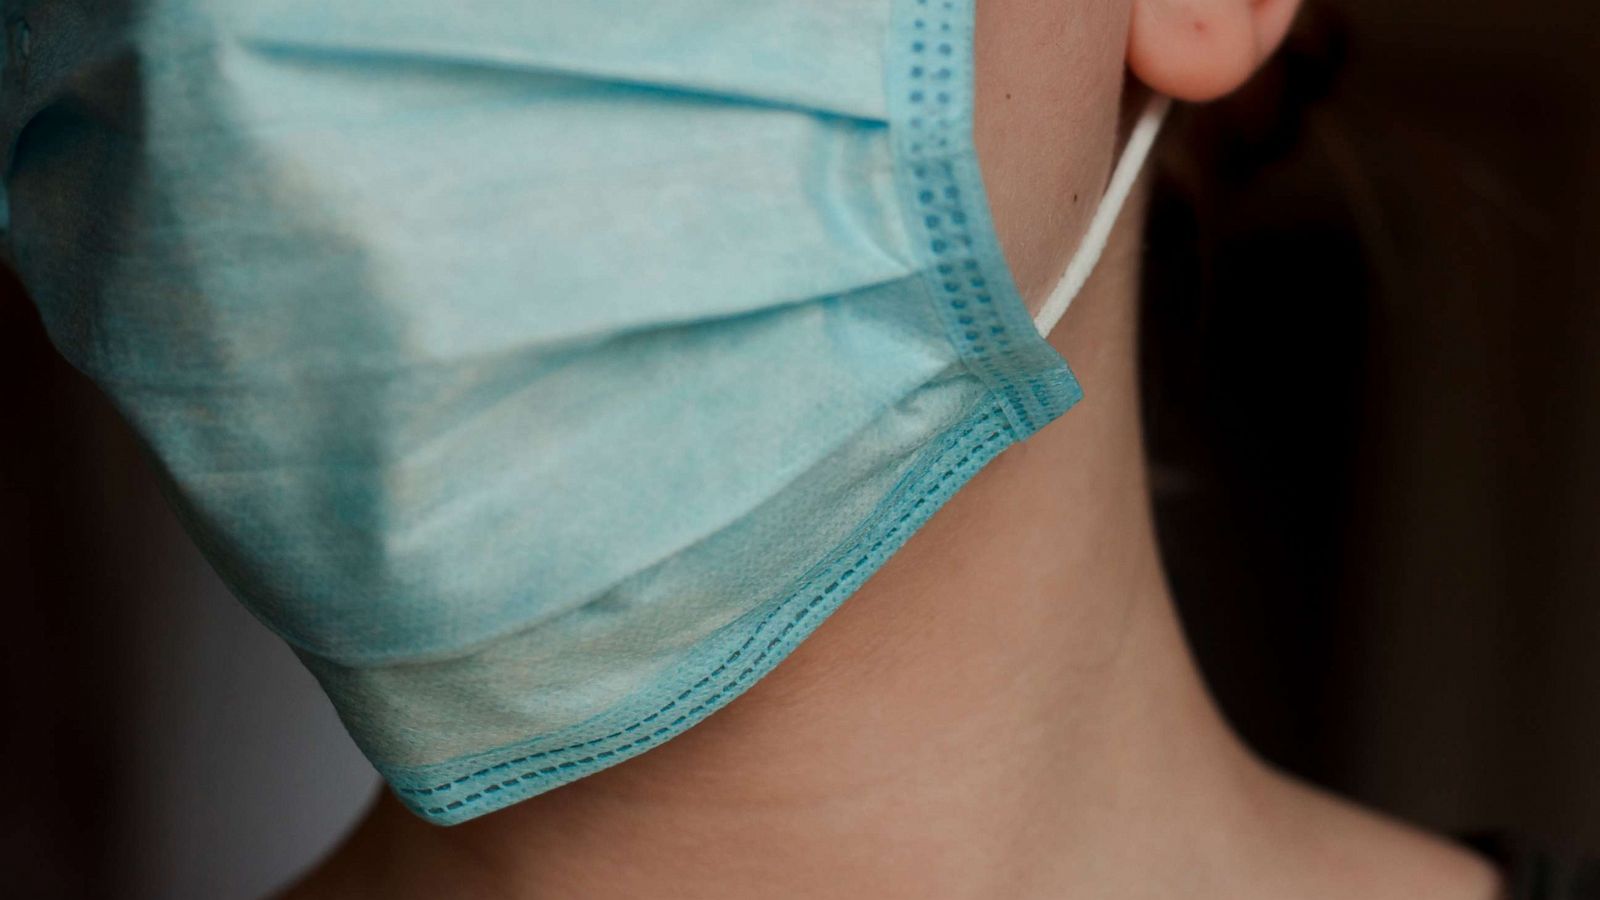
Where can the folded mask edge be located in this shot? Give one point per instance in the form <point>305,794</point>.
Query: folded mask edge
<point>465,788</point>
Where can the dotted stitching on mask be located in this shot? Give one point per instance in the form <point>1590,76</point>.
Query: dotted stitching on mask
<point>931,153</point>
<point>842,579</point>
<point>970,312</point>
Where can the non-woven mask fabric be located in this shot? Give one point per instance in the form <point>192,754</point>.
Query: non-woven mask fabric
<point>542,373</point>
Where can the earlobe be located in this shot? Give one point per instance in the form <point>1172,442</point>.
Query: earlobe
<point>1199,50</point>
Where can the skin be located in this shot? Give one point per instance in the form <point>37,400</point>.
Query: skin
<point>1007,709</point>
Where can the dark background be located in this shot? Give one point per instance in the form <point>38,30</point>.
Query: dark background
<point>1372,355</point>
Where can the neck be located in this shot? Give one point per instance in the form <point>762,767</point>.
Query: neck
<point>1006,710</point>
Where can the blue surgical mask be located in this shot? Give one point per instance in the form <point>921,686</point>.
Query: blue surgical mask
<point>542,372</point>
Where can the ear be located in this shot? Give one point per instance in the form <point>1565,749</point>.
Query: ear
<point>1202,49</point>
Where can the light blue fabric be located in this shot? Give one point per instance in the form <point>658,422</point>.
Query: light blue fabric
<point>542,372</point>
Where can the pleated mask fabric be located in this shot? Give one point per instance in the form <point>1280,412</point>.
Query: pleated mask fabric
<point>543,373</point>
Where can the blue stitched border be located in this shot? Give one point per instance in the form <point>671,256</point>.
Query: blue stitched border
<point>930,87</point>
<point>931,90</point>
<point>944,469</point>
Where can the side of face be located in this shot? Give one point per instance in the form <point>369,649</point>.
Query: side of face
<point>1050,77</point>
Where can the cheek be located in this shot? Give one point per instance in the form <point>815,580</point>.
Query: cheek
<point>1049,80</point>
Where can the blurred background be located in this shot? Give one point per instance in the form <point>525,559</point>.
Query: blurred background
<point>1372,354</point>
<point>1372,357</point>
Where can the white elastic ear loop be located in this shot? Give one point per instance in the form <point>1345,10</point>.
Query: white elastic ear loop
<point>1094,240</point>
